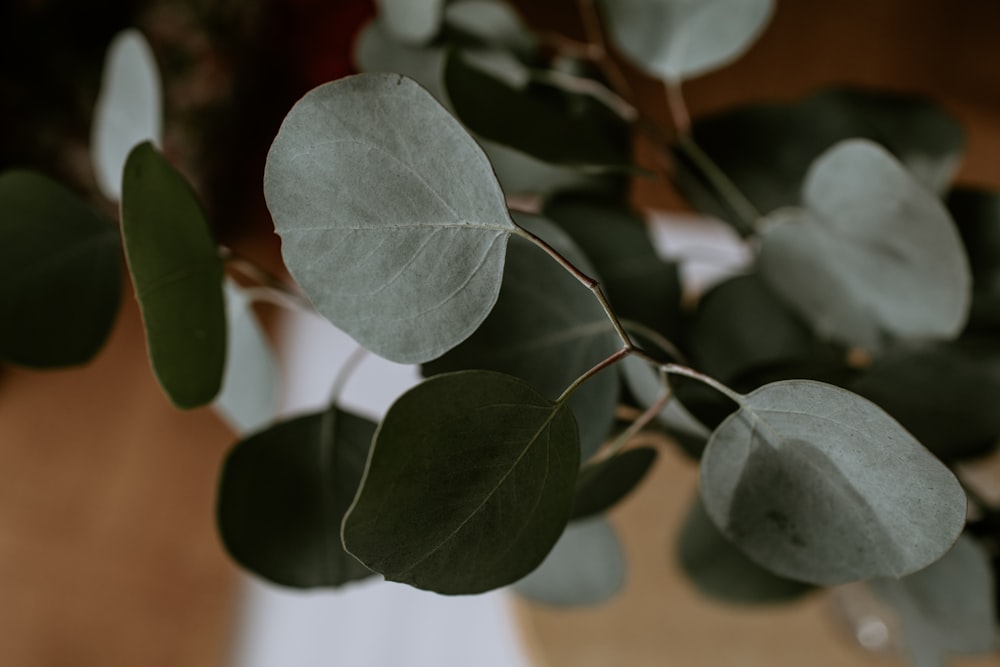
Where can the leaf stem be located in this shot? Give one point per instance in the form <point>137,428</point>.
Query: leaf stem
<point>685,371</point>
<point>662,342</point>
<point>595,39</point>
<point>344,374</point>
<point>267,283</point>
<point>639,423</point>
<point>597,368</point>
<point>678,108</point>
<point>741,206</point>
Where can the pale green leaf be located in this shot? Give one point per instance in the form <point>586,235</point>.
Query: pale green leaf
<point>129,108</point>
<point>644,383</point>
<point>177,274</point>
<point>283,494</point>
<point>400,248</point>
<point>820,485</point>
<point>548,330</point>
<point>873,257</point>
<point>586,566</point>
<point>60,273</point>
<point>492,22</point>
<point>469,484</point>
<point>412,21</point>
<point>249,396</point>
<point>375,50</point>
<point>682,39</point>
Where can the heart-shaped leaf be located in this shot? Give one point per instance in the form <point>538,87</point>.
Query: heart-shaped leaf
<point>177,274</point>
<point>249,396</point>
<point>412,21</point>
<point>401,249</point>
<point>129,108</point>
<point>766,149</point>
<point>60,273</point>
<point>548,330</point>
<point>283,494</point>
<point>722,571</point>
<point>586,566</point>
<point>680,39</point>
<point>468,486</point>
<point>874,257</point>
<point>947,608</point>
<point>602,484</point>
<point>817,484</point>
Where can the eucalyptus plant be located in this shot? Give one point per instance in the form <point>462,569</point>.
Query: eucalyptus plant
<point>462,204</point>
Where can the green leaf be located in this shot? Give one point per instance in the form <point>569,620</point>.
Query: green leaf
<point>817,484</point>
<point>766,149</point>
<point>640,286</point>
<point>874,256</point>
<point>603,484</point>
<point>538,119</point>
<point>680,39</point>
<point>283,494</point>
<point>401,249</point>
<point>548,330</point>
<point>412,21</point>
<point>722,571</point>
<point>977,214</point>
<point>945,394</point>
<point>129,108</point>
<point>177,274</point>
<point>249,396</point>
<point>375,50</point>
<point>586,566</point>
<point>60,273</point>
<point>493,23</point>
<point>468,486</point>
<point>947,608</point>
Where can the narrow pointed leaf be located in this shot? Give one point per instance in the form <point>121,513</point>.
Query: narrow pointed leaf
<point>249,396</point>
<point>548,330</point>
<point>177,274</point>
<point>721,571</point>
<point>402,250</point>
<point>603,484</point>
<point>680,39</point>
<point>468,486</point>
<point>586,566</point>
<point>60,273</point>
<point>820,485</point>
<point>283,494</point>
<point>947,608</point>
<point>129,108</point>
<point>874,256</point>
<point>412,21</point>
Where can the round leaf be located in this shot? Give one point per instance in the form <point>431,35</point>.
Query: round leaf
<point>129,108</point>
<point>586,566</point>
<point>681,39</point>
<point>412,21</point>
<point>400,248</point>
<point>493,22</point>
<point>177,274</point>
<point>722,571</point>
<point>602,484</point>
<point>283,494</point>
<point>548,330</point>
<point>60,273</point>
<point>468,486</point>
<point>874,257</point>
<point>820,485</point>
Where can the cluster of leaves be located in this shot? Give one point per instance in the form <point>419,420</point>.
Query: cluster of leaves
<point>828,389</point>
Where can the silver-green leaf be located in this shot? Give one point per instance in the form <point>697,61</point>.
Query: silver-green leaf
<point>820,485</point>
<point>391,219</point>
<point>412,21</point>
<point>873,257</point>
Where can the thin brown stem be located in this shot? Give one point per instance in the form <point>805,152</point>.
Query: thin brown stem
<point>597,368</point>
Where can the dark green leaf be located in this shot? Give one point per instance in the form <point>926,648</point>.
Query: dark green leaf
<point>817,484</point>
<point>401,249</point>
<point>947,608</point>
<point>945,394</point>
<point>586,566</point>
<point>722,571</point>
<point>639,284</point>
<point>60,273</point>
<point>874,257</point>
<point>977,214</point>
<point>548,330</point>
<point>602,484</point>
<point>283,494</point>
<point>766,149</point>
<point>468,486</point>
<point>540,120</point>
<point>679,39</point>
<point>177,274</point>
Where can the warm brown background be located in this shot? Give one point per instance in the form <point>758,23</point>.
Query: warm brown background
<point>108,554</point>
